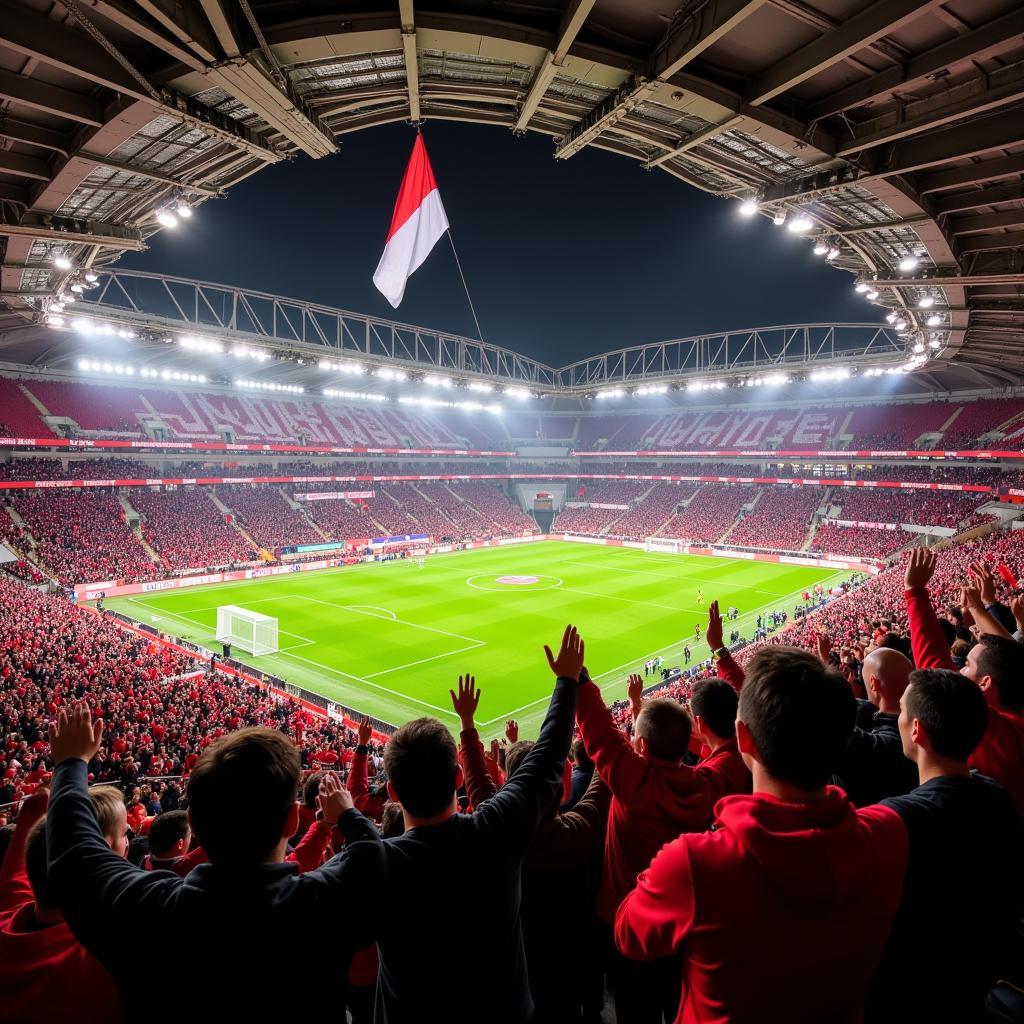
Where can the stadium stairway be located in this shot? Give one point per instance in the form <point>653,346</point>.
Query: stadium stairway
<point>265,555</point>
<point>606,530</point>
<point>747,510</point>
<point>300,508</point>
<point>130,513</point>
<point>812,525</point>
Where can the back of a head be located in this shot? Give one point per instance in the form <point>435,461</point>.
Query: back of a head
<point>391,821</point>
<point>800,715</point>
<point>1003,659</point>
<point>951,709</point>
<point>35,865</point>
<point>514,756</point>
<point>107,803</point>
<point>891,668</point>
<point>241,792</point>
<point>421,762</point>
<point>665,727</point>
<point>580,757</point>
<point>166,830</point>
<point>715,701</point>
<point>311,790</point>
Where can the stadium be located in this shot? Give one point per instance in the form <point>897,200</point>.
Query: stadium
<point>259,537</point>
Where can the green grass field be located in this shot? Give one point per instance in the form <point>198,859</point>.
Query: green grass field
<point>391,639</point>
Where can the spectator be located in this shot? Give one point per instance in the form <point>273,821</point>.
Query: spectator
<point>242,808</point>
<point>444,855</point>
<point>582,773</point>
<point>45,975</point>
<point>794,887</point>
<point>954,927</point>
<point>169,837</point>
<point>713,703</point>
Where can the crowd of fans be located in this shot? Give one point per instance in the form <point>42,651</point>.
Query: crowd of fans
<point>922,508</point>
<point>267,516</point>
<point>585,520</point>
<point>858,541</point>
<point>780,520</point>
<point>710,514</point>
<point>656,509</point>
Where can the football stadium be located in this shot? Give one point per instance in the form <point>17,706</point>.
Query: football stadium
<point>404,529</point>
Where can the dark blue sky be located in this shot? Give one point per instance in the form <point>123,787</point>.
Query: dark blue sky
<point>563,259</point>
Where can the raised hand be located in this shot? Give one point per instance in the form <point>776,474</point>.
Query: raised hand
<point>512,730</point>
<point>466,700</point>
<point>365,732</point>
<point>74,735</point>
<point>333,799</point>
<point>824,647</point>
<point>569,662</point>
<point>495,750</point>
<point>715,631</point>
<point>634,690</point>
<point>920,568</point>
<point>971,599</point>
<point>985,581</point>
<point>1017,607</point>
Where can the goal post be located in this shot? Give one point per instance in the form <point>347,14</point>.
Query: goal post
<point>251,631</point>
<point>666,545</point>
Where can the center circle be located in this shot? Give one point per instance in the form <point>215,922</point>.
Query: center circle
<point>505,583</point>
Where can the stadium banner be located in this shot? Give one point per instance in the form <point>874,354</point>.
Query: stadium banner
<point>224,446</point>
<point>207,481</point>
<point>327,495</point>
<point>803,453</point>
<point>408,538</point>
<point>866,526</point>
<point>1014,494</point>
<point>594,504</point>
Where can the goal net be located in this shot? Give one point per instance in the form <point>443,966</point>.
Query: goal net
<point>251,631</point>
<point>668,545</point>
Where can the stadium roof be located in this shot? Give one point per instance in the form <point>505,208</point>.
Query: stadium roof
<point>896,126</point>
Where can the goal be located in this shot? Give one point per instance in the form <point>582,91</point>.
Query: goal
<point>251,631</point>
<point>667,545</point>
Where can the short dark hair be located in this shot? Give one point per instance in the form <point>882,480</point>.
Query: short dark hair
<point>167,829</point>
<point>421,762</point>
<point>665,727</point>
<point>715,701</point>
<point>580,757</point>
<point>240,794</point>
<point>951,709</point>
<point>311,790</point>
<point>36,865</point>
<point>1003,660</point>
<point>391,821</point>
<point>800,715</point>
<point>514,756</point>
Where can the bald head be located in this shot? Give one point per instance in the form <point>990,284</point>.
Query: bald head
<point>886,674</point>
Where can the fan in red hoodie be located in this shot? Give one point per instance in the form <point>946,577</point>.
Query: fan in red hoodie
<point>995,663</point>
<point>654,798</point>
<point>45,975</point>
<point>797,888</point>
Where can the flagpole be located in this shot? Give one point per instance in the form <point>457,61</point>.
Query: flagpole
<point>469,299</point>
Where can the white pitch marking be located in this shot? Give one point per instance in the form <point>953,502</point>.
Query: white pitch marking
<point>448,654</point>
<point>388,614</point>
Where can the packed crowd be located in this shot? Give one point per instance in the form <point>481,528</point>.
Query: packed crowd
<point>769,848</point>
<point>922,508</point>
<point>710,514</point>
<point>780,520</point>
<point>859,541</point>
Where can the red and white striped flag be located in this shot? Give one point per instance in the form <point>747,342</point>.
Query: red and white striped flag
<point>419,221</point>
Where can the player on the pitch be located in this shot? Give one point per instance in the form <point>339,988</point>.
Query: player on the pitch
<point>700,597</point>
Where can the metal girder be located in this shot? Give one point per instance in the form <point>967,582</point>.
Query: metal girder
<point>714,20</point>
<point>40,96</point>
<point>64,47</point>
<point>139,19</point>
<point>975,45</point>
<point>34,135</point>
<point>142,172</point>
<point>976,96</point>
<point>852,35</point>
<point>950,280</point>
<point>697,139</point>
<point>24,166</point>
<point>76,232</point>
<point>412,60</point>
<point>885,225</point>
<point>572,21</point>
<point>223,26</point>
<point>987,222</point>
<point>13,194</point>
<point>976,198</point>
<point>984,170</point>
<point>988,243</point>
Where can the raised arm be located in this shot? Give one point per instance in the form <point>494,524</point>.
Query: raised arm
<point>726,666</point>
<point>100,893</point>
<point>621,767</point>
<point>480,785</point>
<point>511,816</point>
<point>986,622</point>
<point>358,783</point>
<point>926,638</point>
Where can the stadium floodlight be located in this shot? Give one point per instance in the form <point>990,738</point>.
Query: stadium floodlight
<point>861,287</point>
<point>435,380</point>
<point>651,389</point>
<point>901,326</point>
<point>934,320</point>
<point>517,392</point>
<point>182,209</point>
<point>54,320</point>
<point>820,247</point>
<point>871,293</point>
<point>836,374</point>
<point>91,276</point>
<point>908,263</point>
<point>166,218</point>
<point>195,344</point>
<point>926,302</point>
<point>779,218</point>
<point>919,347</point>
<point>800,223</point>
<point>388,374</point>
<point>749,207</point>
<point>62,262</point>
<point>366,396</point>
<point>611,393</point>
<point>479,386</point>
<point>934,343</point>
<point>833,253</point>
<point>891,316</point>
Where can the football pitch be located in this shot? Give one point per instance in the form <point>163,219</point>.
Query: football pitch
<point>391,638</point>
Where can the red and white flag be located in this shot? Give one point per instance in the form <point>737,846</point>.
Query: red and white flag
<point>418,222</point>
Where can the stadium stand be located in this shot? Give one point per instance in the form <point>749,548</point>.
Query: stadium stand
<point>711,513</point>
<point>858,540</point>
<point>267,516</point>
<point>780,519</point>
<point>922,508</point>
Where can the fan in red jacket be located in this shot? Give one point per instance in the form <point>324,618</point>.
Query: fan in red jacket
<point>995,663</point>
<point>781,912</point>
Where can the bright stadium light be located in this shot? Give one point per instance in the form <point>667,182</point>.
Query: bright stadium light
<point>183,210</point>
<point>195,344</point>
<point>749,207</point>
<point>891,316</point>
<point>475,385</point>
<point>908,263</point>
<point>919,347</point>
<point>934,343</point>
<point>861,287</point>
<point>166,219</point>
<point>652,389</point>
<point>820,247</point>
<point>926,302</point>
<point>62,262</point>
<point>934,320</point>
<point>833,253</point>
<point>54,320</point>
<point>91,276</point>
<point>800,223</point>
<point>779,218</point>
<point>871,293</point>
<point>517,392</point>
<point>366,396</point>
<point>388,374</point>
<point>611,393</point>
<point>836,374</point>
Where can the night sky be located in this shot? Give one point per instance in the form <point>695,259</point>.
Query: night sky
<point>563,259</point>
